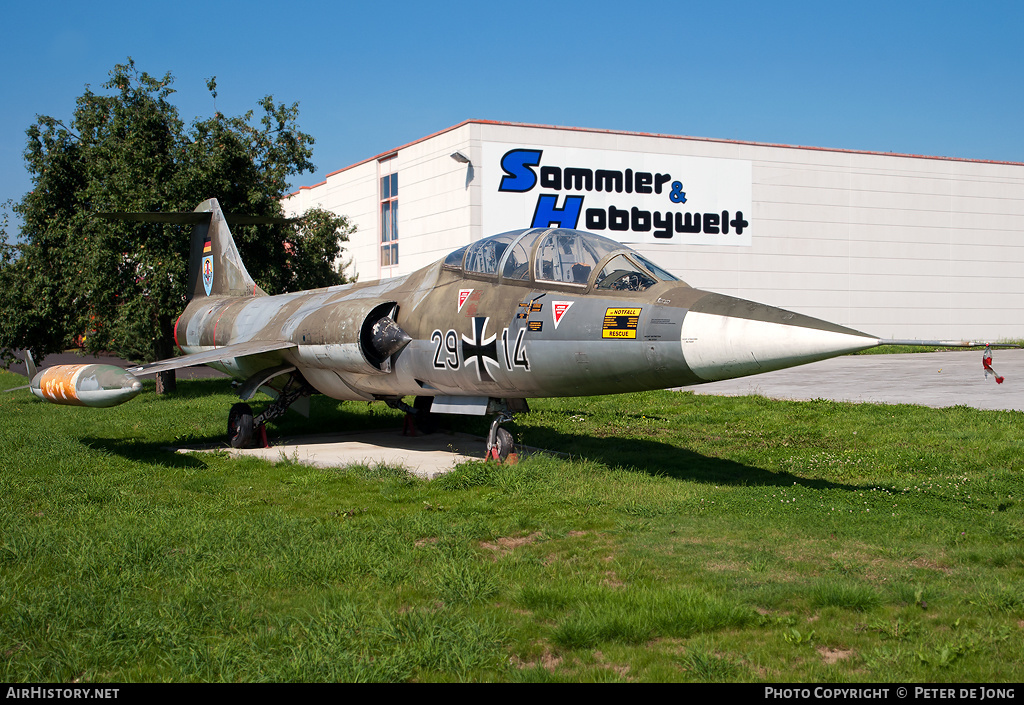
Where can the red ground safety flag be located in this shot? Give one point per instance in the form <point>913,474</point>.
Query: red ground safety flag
<point>986,362</point>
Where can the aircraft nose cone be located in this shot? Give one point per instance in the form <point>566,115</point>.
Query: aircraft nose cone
<point>725,337</point>
<point>388,338</point>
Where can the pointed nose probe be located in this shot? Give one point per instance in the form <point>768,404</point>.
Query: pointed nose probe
<point>725,337</point>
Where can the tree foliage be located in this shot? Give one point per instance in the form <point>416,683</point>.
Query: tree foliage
<point>121,284</point>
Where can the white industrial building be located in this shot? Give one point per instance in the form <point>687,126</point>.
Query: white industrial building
<point>896,245</point>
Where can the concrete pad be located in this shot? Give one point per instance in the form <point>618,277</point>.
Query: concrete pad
<point>935,379</point>
<point>425,456</point>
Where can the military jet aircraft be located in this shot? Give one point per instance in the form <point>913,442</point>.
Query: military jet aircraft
<point>542,312</point>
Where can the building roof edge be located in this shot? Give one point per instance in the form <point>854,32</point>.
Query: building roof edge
<point>717,140</point>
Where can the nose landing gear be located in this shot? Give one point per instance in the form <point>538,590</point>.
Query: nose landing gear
<point>500,445</point>
<point>499,441</point>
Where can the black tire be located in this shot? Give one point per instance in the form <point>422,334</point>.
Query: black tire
<point>240,426</point>
<point>503,443</point>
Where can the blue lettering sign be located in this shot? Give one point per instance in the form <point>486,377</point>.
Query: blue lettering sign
<point>519,177</point>
<point>548,214</point>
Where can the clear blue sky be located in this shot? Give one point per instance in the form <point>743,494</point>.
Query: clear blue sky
<point>938,78</point>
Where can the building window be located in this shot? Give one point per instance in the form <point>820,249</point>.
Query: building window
<point>388,213</point>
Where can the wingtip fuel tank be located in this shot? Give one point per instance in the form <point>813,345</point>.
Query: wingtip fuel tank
<point>85,385</point>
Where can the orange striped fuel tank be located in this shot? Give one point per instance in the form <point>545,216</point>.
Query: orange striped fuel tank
<point>85,385</point>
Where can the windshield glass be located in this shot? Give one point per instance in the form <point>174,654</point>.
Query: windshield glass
<point>620,274</point>
<point>656,270</point>
<point>569,256</point>
<point>484,255</point>
<point>455,258</point>
<point>517,257</point>
<point>560,257</point>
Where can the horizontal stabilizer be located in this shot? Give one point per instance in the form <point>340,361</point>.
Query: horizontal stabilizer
<point>194,218</point>
<point>253,347</point>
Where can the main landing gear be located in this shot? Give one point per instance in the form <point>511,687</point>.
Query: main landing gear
<point>418,417</point>
<point>241,425</point>
<point>248,431</point>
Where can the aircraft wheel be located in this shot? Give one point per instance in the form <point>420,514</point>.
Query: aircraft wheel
<point>240,426</point>
<point>503,444</point>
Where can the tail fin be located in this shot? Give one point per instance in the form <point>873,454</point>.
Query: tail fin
<point>214,266</point>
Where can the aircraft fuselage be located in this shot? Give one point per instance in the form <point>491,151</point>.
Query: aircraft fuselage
<point>472,335</point>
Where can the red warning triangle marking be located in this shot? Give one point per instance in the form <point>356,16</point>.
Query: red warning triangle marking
<point>558,309</point>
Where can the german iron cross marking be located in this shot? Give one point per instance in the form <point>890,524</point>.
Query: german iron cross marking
<point>483,350</point>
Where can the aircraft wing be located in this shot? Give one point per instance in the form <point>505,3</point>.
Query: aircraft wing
<point>253,347</point>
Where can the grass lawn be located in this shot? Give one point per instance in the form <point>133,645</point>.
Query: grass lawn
<point>684,538</point>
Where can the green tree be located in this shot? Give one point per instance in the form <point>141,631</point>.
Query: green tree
<point>122,284</point>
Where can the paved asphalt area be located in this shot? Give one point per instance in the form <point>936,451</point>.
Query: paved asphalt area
<point>935,379</point>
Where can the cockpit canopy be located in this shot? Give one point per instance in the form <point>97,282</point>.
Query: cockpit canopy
<point>559,256</point>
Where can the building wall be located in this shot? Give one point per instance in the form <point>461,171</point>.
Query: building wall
<point>436,212</point>
<point>351,192</point>
<point>898,246</point>
<point>895,245</point>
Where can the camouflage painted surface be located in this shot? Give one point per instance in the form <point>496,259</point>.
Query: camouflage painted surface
<point>510,331</point>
